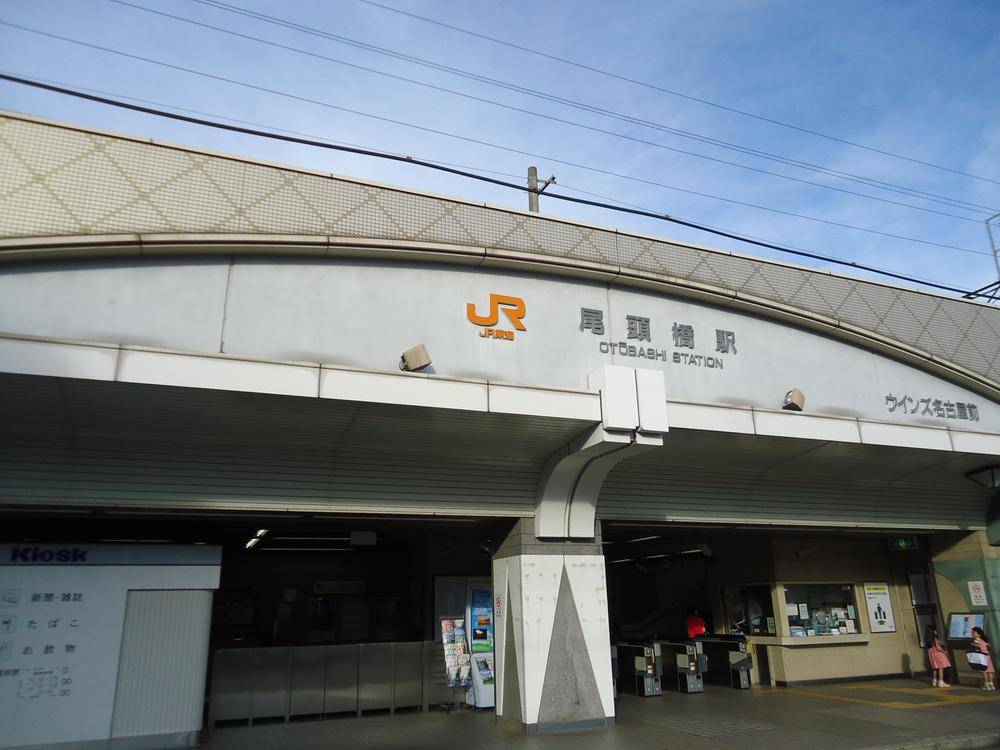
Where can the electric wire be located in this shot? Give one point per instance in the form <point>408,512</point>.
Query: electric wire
<point>481,142</point>
<point>572,123</point>
<point>620,202</point>
<point>672,92</point>
<point>272,127</point>
<point>965,205</point>
<point>481,178</point>
<point>594,109</point>
<point>477,169</point>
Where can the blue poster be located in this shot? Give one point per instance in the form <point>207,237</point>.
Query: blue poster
<point>481,617</point>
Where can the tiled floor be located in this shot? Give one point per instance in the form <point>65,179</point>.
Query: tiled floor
<point>847,715</point>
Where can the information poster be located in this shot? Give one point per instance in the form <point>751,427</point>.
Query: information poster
<point>880,615</point>
<point>481,615</point>
<point>486,668</point>
<point>977,594</point>
<point>457,660</point>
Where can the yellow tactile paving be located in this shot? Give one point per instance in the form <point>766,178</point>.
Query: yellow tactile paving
<point>935,696</point>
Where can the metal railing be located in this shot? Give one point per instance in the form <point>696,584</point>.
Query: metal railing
<point>284,682</point>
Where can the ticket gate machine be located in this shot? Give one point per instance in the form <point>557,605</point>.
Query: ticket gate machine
<point>682,663</point>
<point>729,660</point>
<point>637,669</point>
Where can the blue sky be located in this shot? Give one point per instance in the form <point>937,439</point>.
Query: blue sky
<point>912,78</point>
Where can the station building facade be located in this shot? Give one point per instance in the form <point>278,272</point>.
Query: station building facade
<point>196,348</point>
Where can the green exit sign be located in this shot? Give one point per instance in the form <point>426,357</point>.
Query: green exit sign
<point>902,543</point>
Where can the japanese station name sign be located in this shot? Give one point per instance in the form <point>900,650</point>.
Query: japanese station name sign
<point>703,350</point>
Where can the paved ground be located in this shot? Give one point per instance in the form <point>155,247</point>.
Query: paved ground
<point>846,715</point>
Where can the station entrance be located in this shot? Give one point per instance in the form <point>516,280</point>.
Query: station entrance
<point>314,617</point>
<point>806,606</point>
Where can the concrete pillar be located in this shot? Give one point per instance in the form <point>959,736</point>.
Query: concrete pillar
<point>960,559</point>
<point>553,655</point>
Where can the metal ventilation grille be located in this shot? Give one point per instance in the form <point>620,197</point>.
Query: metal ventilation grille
<point>716,478</point>
<point>98,444</point>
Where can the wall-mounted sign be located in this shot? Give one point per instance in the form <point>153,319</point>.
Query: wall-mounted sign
<point>931,407</point>
<point>338,587</point>
<point>512,307</point>
<point>639,329</point>
<point>902,543</point>
<point>62,612</point>
<point>880,615</point>
<point>977,594</point>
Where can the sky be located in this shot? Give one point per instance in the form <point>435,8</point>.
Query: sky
<point>708,82</point>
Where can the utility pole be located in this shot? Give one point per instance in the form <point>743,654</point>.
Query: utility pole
<point>533,190</point>
<point>990,292</point>
<point>993,244</point>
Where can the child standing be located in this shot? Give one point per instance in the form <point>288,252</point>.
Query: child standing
<point>938,656</point>
<point>979,642</point>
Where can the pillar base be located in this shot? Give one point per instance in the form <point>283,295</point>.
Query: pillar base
<point>553,652</point>
<point>556,728</point>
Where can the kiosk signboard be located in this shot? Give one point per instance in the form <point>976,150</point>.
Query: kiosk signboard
<point>62,610</point>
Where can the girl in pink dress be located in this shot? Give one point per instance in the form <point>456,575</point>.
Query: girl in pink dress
<point>938,656</point>
<point>979,642</point>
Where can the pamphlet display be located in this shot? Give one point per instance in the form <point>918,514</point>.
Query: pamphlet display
<point>457,660</point>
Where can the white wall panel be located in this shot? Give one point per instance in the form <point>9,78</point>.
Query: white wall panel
<point>223,373</point>
<point>27,357</point>
<point>411,389</point>
<point>175,304</point>
<point>365,313</point>
<point>800,425</point>
<point>163,663</point>
<point>892,434</point>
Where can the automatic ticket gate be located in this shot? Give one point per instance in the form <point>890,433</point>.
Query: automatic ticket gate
<point>681,663</point>
<point>729,660</point>
<point>637,669</point>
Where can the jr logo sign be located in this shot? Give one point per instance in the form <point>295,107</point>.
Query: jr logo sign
<point>513,308</point>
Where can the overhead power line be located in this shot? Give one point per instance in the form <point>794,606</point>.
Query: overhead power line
<point>673,92</point>
<point>583,106</point>
<point>477,169</point>
<point>481,178</point>
<point>619,202</point>
<point>552,118</point>
<point>477,141</point>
